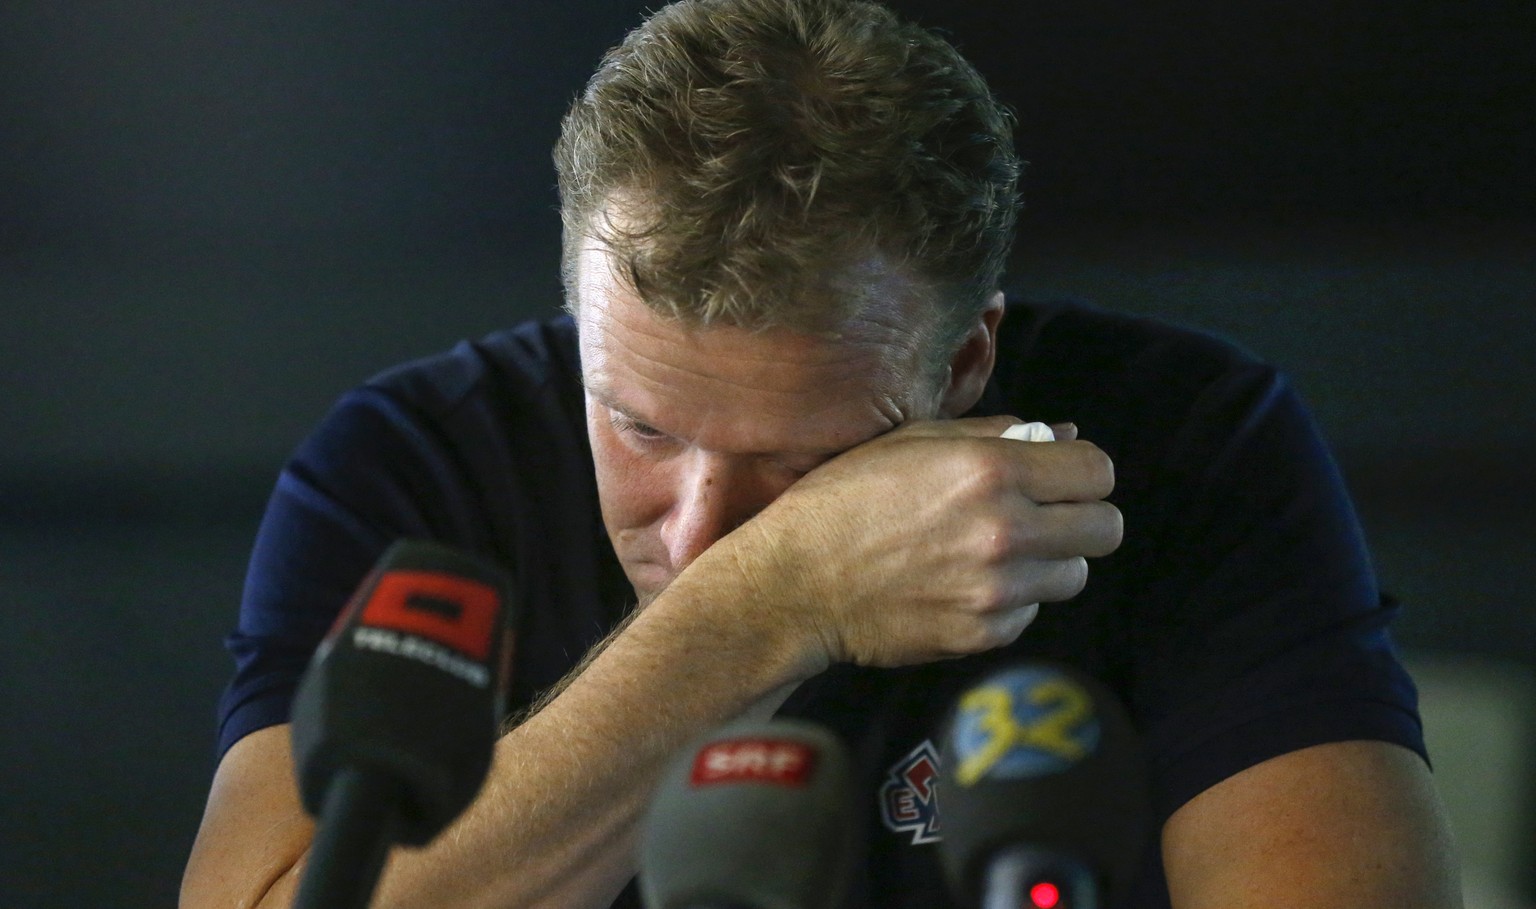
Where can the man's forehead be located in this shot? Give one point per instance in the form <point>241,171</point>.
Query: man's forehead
<point>869,301</point>
<point>621,338</point>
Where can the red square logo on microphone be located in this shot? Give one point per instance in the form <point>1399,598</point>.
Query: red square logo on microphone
<point>782,762</point>
<point>453,611</point>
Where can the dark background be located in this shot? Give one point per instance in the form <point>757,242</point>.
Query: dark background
<point>217,216</point>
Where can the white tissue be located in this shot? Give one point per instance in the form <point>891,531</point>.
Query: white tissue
<point>1030,432</point>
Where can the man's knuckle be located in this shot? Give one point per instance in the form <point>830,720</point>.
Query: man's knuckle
<point>987,475</point>
<point>973,637</point>
<point>992,595</point>
<point>997,539</point>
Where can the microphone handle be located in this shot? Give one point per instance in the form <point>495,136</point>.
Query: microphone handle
<point>1012,871</point>
<point>357,824</point>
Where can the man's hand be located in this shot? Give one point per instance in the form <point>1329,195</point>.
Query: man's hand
<point>935,540</point>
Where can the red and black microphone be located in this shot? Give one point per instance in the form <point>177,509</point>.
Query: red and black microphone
<point>395,719</point>
<point>1044,792</point>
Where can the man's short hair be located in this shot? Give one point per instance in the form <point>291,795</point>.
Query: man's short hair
<point>737,155</point>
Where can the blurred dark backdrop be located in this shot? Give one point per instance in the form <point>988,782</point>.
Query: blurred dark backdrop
<point>217,216</point>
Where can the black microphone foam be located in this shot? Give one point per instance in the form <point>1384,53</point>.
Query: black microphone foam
<point>1042,758</point>
<point>407,686</point>
<point>755,816</point>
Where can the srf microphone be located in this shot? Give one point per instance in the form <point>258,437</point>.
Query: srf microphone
<point>1043,794</point>
<point>395,719</point>
<point>755,816</point>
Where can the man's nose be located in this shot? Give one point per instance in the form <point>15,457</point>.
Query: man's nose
<point>715,495</point>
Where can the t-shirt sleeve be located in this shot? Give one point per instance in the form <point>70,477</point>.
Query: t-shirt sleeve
<point>1256,627</point>
<point>373,472</point>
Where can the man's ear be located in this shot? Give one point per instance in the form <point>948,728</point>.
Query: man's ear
<point>971,365</point>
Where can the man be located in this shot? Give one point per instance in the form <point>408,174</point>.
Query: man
<point>773,418</point>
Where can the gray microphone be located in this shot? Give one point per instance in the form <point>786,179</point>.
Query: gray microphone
<point>754,816</point>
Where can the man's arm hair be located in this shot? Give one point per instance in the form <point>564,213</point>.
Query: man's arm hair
<point>546,697</point>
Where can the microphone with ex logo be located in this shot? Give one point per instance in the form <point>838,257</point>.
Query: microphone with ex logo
<point>395,719</point>
<point>755,816</point>
<point>1044,792</point>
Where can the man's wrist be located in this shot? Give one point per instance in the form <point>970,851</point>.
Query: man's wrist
<point>744,604</point>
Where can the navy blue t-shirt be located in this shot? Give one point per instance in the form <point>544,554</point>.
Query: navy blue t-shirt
<point>1239,619</point>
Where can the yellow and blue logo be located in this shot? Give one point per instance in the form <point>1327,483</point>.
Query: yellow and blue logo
<point>1021,723</point>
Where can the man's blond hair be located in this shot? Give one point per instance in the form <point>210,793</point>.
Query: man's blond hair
<point>736,155</point>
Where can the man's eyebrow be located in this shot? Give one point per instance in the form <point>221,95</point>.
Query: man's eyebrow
<point>600,390</point>
<point>596,388</point>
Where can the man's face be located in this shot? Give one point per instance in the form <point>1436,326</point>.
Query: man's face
<point>695,430</point>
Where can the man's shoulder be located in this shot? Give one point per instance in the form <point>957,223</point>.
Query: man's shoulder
<point>1148,392</point>
<point>1069,338</point>
<point>535,358</point>
<point>491,418</point>
<point>1067,360</point>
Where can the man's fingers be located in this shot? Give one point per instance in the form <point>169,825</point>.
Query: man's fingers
<point>979,427</point>
<point>1063,580</point>
<point>1075,529</point>
<point>993,427</point>
<point>1014,604</point>
<point>1058,471</point>
<point>1038,581</point>
<point>1006,625</point>
<point>1061,531</point>
<point>1065,432</point>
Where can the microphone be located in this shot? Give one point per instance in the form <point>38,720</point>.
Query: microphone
<point>394,722</point>
<point>755,816</point>
<point>1044,792</point>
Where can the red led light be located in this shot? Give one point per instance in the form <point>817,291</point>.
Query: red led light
<point>1044,895</point>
